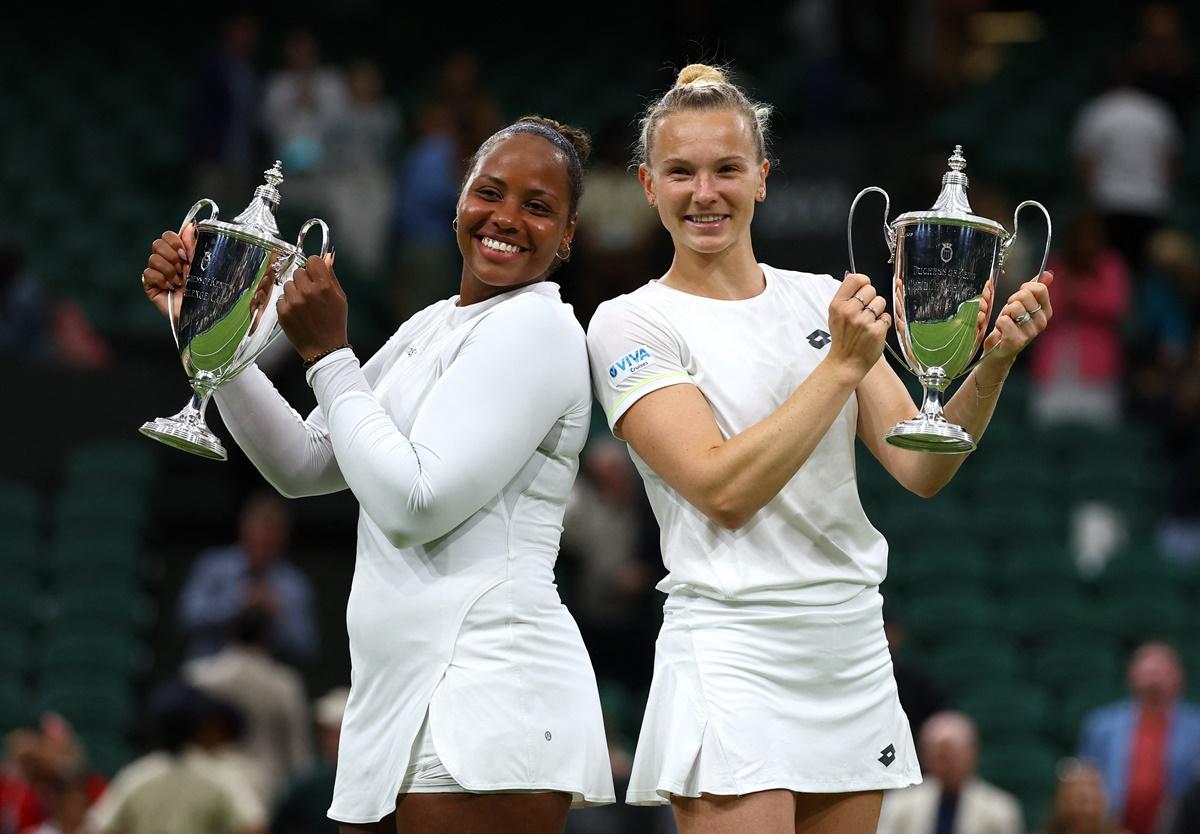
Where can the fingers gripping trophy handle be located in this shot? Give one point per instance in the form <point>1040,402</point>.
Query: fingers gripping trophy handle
<point>308,224</point>
<point>889,237</point>
<point>1004,247</point>
<point>191,215</point>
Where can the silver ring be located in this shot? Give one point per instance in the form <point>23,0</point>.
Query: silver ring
<point>1027,315</point>
<point>143,282</point>
<point>860,301</point>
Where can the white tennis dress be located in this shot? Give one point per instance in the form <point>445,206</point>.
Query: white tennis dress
<point>771,669</point>
<point>460,439</point>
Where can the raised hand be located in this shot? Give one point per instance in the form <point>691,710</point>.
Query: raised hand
<point>167,268</point>
<point>1022,318</point>
<point>312,309</point>
<point>858,324</point>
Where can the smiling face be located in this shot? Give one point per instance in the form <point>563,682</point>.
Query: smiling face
<point>513,216</point>
<point>704,175</point>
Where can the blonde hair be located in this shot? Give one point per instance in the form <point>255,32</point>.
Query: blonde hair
<point>703,87</point>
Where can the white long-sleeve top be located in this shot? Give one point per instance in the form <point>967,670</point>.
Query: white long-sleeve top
<point>460,439</point>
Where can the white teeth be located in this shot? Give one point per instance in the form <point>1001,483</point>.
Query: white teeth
<point>500,246</point>
<point>706,218</point>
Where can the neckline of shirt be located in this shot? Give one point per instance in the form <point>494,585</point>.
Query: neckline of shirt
<point>768,291</point>
<point>458,314</point>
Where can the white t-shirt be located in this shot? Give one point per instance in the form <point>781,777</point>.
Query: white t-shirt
<point>1130,137</point>
<point>812,543</point>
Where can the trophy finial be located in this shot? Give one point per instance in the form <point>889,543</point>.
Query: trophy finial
<point>259,216</point>
<point>274,176</point>
<point>957,161</point>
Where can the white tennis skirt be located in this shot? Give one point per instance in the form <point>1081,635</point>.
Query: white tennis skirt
<point>752,696</point>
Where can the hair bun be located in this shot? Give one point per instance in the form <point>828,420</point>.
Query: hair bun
<point>700,74</point>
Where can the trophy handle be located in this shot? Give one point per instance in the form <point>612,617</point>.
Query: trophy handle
<point>308,224</point>
<point>188,218</point>
<point>889,237</point>
<point>1004,247</point>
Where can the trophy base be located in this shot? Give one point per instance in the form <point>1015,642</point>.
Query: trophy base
<point>187,436</point>
<point>940,437</point>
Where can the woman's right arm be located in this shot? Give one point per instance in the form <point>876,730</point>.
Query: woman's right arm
<point>674,431</point>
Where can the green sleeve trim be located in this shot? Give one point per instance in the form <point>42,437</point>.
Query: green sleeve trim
<point>621,400</point>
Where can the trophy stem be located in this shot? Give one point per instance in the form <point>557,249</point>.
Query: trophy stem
<point>187,430</point>
<point>930,431</point>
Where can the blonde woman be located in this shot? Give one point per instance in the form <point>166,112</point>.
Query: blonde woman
<point>740,388</point>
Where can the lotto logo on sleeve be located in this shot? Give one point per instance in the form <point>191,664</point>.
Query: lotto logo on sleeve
<point>635,360</point>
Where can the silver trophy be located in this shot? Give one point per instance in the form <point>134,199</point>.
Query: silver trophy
<point>224,321</point>
<point>947,262</point>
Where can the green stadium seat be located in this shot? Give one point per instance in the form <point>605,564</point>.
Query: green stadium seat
<point>1075,705</point>
<point>19,506</point>
<point>15,706</point>
<point>1136,617</point>
<point>959,666</point>
<point>118,464</point>
<point>103,652</point>
<point>1066,665</point>
<point>931,619</point>
<point>1027,769</point>
<point>1006,711</point>
<point>1034,616</point>
<point>96,608</point>
<point>91,705</point>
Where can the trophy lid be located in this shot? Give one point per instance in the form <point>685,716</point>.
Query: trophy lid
<point>257,221</point>
<point>952,205</point>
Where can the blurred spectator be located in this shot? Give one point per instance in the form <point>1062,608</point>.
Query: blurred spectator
<point>1162,61</point>
<point>39,765</point>
<point>951,799</point>
<point>1179,533</point>
<point>1079,803</point>
<point>269,695</point>
<point>254,571</point>
<point>427,267</point>
<point>601,533</point>
<point>920,696</point>
<point>1166,304</point>
<point>451,122</point>
<point>222,131</point>
<point>37,327</point>
<point>621,233</point>
<point>24,309</point>
<point>473,111</point>
<point>1126,143</point>
<point>302,810</point>
<point>1077,370</point>
<point>184,786</point>
<point>359,159</point>
<point>303,103</point>
<point>1145,748</point>
<point>70,800</point>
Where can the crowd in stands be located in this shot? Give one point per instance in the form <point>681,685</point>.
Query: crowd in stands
<point>233,741</point>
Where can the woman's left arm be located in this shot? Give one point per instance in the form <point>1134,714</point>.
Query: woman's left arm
<point>516,374</point>
<point>883,400</point>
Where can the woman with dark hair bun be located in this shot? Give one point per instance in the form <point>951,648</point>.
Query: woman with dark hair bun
<point>473,705</point>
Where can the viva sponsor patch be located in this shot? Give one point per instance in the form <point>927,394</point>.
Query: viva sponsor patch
<point>635,360</point>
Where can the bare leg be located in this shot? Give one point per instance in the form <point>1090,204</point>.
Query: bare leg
<point>765,812</point>
<point>838,813</point>
<point>473,813</point>
<point>387,825</point>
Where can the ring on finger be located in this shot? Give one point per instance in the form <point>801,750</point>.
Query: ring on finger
<point>143,282</point>
<point>860,301</point>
